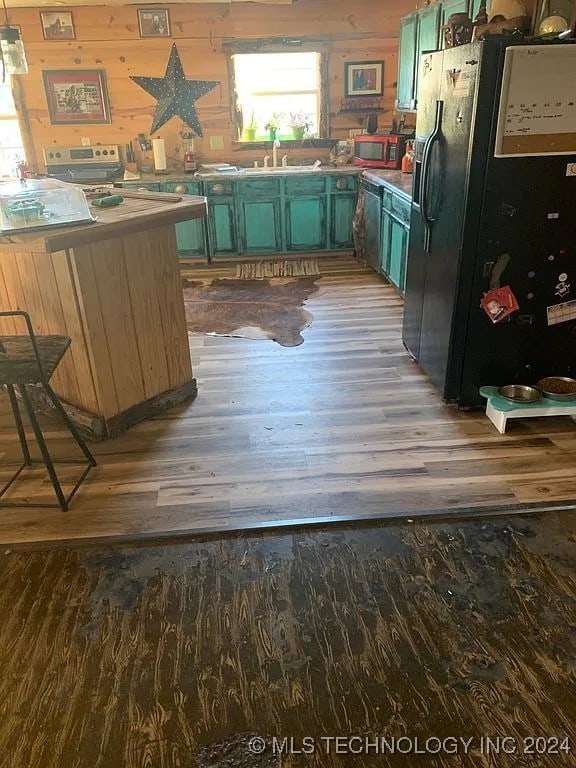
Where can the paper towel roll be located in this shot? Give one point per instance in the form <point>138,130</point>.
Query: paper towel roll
<point>159,154</point>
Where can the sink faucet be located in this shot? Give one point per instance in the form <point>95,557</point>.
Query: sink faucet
<point>284,161</point>
<point>275,146</point>
<point>266,160</point>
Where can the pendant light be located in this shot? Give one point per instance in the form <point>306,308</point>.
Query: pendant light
<point>11,49</point>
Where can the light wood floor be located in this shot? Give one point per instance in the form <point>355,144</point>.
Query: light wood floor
<point>343,426</point>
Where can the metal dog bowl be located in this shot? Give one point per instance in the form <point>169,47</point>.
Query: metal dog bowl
<point>558,388</point>
<point>520,393</point>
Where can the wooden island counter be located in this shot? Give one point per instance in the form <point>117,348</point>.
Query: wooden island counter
<point>114,288</point>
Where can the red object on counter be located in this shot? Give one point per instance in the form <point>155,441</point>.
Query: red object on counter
<point>408,159</point>
<point>379,150</point>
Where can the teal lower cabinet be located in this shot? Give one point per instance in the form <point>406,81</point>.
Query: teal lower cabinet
<point>306,224</point>
<point>394,235</point>
<point>259,212</point>
<point>259,226</point>
<point>190,235</point>
<point>305,209</point>
<point>222,240</point>
<point>343,195</point>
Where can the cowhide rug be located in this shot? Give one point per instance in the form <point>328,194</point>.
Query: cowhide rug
<point>251,309</point>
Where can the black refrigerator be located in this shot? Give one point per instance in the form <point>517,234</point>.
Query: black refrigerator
<point>480,221</point>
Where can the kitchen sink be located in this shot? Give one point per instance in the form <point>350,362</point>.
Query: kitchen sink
<point>285,169</point>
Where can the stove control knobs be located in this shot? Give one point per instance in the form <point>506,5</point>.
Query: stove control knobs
<point>58,154</point>
<point>97,153</point>
<point>112,151</point>
<point>105,152</point>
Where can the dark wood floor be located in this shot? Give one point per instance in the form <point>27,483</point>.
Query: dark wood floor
<point>176,655</point>
<point>345,425</point>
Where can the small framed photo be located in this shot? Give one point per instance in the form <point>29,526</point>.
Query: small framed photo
<point>76,96</point>
<point>57,25</point>
<point>363,78</point>
<point>153,22</point>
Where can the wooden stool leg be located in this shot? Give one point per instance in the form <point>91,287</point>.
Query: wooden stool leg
<point>19,425</point>
<point>43,449</point>
<point>71,426</point>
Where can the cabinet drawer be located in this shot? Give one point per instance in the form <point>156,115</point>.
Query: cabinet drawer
<point>140,186</point>
<point>304,185</point>
<point>344,183</point>
<point>259,187</point>
<point>219,187</point>
<point>400,207</point>
<point>183,187</point>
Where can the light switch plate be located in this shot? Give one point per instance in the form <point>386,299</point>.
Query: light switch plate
<point>216,142</point>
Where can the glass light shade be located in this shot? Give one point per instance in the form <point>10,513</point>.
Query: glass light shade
<point>552,25</point>
<point>13,54</point>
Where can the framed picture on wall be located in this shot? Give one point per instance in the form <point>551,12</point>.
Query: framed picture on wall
<point>363,78</point>
<point>57,25</point>
<point>153,22</point>
<point>76,96</point>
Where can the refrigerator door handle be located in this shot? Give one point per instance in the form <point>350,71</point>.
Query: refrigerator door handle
<point>427,220</point>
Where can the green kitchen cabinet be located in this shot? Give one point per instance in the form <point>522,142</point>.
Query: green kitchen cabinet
<point>305,213</point>
<point>342,205</point>
<point>190,235</point>
<point>222,229</point>
<point>407,62</point>
<point>450,7</point>
<point>394,235</point>
<point>427,38</point>
<point>398,246</point>
<point>342,209</point>
<point>306,224</point>
<point>259,212</point>
<point>475,7</point>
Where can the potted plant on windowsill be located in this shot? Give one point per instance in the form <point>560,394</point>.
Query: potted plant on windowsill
<point>251,128</point>
<point>273,124</point>
<point>300,122</point>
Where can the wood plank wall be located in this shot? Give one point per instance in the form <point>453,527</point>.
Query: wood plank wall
<point>107,38</point>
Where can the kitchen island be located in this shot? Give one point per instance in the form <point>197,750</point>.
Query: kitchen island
<point>114,288</point>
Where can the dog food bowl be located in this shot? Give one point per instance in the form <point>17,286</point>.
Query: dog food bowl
<point>520,393</point>
<point>558,388</point>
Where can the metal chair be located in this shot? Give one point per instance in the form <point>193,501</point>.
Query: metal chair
<point>27,360</point>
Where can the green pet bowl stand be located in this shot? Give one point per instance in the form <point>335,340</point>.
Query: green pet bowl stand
<point>499,409</point>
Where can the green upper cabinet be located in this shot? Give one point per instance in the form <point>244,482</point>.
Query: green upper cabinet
<point>427,38</point>
<point>449,7</point>
<point>475,7</point>
<point>406,62</point>
<point>190,235</point>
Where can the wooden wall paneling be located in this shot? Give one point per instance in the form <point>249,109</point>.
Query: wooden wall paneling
<point>72,323</point>
<point>90,312</point>
<point>172,313</point>
<point>111,289</point>
<point>68,385</point>
<point>32,293</point>
<point>147,315</point>
<point>108,39</point>
<point>7,324</point>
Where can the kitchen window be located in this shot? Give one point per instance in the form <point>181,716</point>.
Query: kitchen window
<point>11,144</point>
<point>278,90</point>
